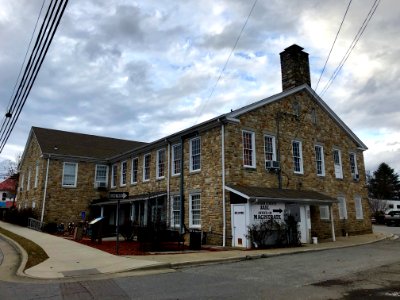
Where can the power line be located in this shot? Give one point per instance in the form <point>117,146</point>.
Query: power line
<point>352,45</point>
<point>226,63</point>
<point>42,44</point>
<point>330,51</point>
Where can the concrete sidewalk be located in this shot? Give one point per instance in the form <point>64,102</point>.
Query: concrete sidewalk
<point>70,259</point>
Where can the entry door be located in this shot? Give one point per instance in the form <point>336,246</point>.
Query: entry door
<point>239,228</point>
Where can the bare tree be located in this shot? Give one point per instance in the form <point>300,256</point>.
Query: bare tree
<point>378,206</point>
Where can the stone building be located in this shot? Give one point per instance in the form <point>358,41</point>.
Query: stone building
<point>288,154</point>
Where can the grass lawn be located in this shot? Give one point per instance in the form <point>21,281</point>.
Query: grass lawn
<point>36,255</point>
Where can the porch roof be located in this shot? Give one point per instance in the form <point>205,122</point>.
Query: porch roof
<point>254,193</point>
<point>130,199</point>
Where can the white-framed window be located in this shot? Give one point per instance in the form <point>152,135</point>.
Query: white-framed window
<point>101,176</point>
<point>195,211</point>
<point>176,211</point>
<point>269,147</point>
<point>324,212</point>
<point>160,168</point>
<point>313,116</point>
<point>337,160</point>
<point>176,159</point>
<point>36,174</point>
<point>146,167</point>
<point>359,209</point>
<point>342,208</point>
<point>353,165</point>
<point>70,174</point>
<point>114,170</point>
<point>319,160</point>
<point>124,168</point>
<point>249,149</point>
<point>135,167</point>
<point>195,154</point>
<point>28,183</point>
<point>21,186</point>
<point>297,157</point>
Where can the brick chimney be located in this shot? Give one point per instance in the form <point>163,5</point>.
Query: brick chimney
<point>295,67</point>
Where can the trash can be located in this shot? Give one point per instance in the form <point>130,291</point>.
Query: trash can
<point>96,229</point>
<point>195,240</point>
<point>78,233</point>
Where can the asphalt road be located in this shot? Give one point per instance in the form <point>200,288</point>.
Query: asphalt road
<point>362,272</point>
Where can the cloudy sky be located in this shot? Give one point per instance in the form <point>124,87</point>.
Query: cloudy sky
<point>142,70</point>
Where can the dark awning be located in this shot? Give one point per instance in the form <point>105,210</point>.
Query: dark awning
<point>254,193</point>
<point>131,199</point>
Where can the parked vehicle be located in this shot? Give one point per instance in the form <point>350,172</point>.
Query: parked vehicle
<point>392,218</point>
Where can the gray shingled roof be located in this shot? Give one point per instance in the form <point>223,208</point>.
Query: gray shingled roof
<point>283,195</point>
<point>73,144</point>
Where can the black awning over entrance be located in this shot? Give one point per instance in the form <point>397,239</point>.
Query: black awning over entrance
<point>131,199</point>
<point>254,193</point>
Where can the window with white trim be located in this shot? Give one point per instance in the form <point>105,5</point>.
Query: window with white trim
<point>249,145</point>
<point>269,147</point>
<point>160,168</point>
<point>21,186</point>
<point>176,211</point>
<point>353,165</point>
<point>36,175</point>
<point>319,160</point>
<point>146,167</point>
<point>28,183</point>
<point>359,209</point>
<point>70,174</point>
<point>324,212</point>
<point>176,159</point>
<point>195,211</point>
<point>101,176</point>
<point>297,157</point>
<point>342,208</point>
<point>124,168</point>
<point>337,160</point>
<point>134,173</point>
<point>195,154</point>
<point>114,170</point>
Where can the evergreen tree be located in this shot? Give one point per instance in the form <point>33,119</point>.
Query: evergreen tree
<point>384,183</point>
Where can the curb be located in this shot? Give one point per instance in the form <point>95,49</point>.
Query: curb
<point>22,254</point>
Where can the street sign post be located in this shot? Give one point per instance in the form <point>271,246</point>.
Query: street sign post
<point>117,196</point>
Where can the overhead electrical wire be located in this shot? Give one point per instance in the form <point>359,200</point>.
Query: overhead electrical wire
<point>42,44</point>
<point>227,60</point>
<point>352,45</point>
<point>333,45</point>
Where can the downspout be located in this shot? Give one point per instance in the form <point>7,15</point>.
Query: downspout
<point>332,225</point>
<point>168,183</point>
<point>223,185</point>
<point>45,189</point>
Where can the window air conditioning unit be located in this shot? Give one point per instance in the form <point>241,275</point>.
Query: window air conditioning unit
<point>101,184</point>
<point>272,165</point>
<point>356,177</point>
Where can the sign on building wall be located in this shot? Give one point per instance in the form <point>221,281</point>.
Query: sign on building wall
<point>266,210</point>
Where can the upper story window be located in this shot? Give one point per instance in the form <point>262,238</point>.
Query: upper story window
<point>160,168</point>
<point>135,166</point>
<point>319,160</point>
<point>342,208</point>
<point>176,159</point>
<point>313,116</point>
<point>353,166</point>
<point>269,147</point>
<point>124,168</point>
<point>146,167</point>
<point>249,145</point>
<point>297,157</point>
<point>337,160</point>
<point>114,170</point>
<point>296,108</point>
<point>195,154</point>
<point>36,175</point>
<point>70,174</point>
<point>21,186</point>
<point>101,176</point>
<point>28,183</point>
